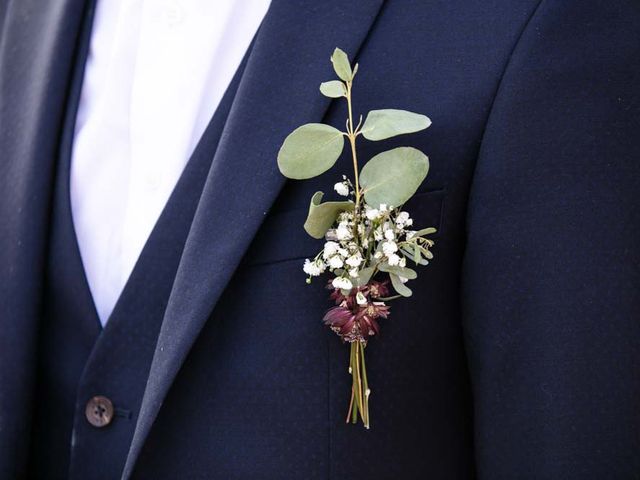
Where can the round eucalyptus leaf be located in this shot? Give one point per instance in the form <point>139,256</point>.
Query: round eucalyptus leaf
<point>397,270</point>
<point>341,65</point>
<point>333,89</point>
<point>400,287</point>
<point>322,215</point>
<point>364,276</point>
<point>310,150</point>
<point>383,124</point>
<point>392,177</point>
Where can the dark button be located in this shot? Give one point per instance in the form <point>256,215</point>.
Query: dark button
<point>99,411</point>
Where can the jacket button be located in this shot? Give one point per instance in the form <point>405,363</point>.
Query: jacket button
<point>99,411</point>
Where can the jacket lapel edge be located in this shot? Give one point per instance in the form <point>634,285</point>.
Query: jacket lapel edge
<point>278,92</point>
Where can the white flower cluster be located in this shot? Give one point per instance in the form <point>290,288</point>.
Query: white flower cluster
<point>389,231</point>
<point>368,239</point>
<point>344,188</point>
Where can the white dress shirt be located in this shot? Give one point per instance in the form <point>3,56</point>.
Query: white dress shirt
<point>156,72</point>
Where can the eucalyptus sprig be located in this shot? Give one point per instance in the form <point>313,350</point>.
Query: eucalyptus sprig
<point>367,234</point>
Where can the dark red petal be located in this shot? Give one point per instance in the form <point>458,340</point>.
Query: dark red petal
<point>348,326</point>
<point>337,316</point>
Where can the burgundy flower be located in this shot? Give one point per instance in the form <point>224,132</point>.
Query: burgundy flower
<point>367,316</point>
<point>340,319</point>
<point>377,289</point>
<point>357,322</point>
<point>372,290</point>
<point>337,296</point>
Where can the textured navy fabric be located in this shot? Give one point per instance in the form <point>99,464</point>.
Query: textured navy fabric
<point>37,46</point>
<point>517,356</point>
<point>69,325</point>
<point>77,359</point>
<point>553,331</point>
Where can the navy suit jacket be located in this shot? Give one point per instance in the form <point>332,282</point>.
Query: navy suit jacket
<point>518,355</point>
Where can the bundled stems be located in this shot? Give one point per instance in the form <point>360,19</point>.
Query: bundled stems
<point>360,392</point>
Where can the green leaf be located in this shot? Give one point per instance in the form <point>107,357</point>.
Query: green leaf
<point>400,287</point>
<point>383,124</point>
<point>364,276</point>
<point>322,215</point>
<point>426,253</point>
<point>341,65</point>
<point>424,231</point>
<point>310,150</point>
<point>392,177</point>
<point>412,253</point>
<point>400,271</point>
<point>333,89</point>
<point>417,259</point>
<point>388,299</point>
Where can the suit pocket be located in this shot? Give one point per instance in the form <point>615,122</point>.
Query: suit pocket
<point>282,236</point>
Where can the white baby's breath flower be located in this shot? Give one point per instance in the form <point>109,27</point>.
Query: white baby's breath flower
<point>314,268</point>
<point>342,189</point>
<point>403,262</point>
<point>377,255</point>
<point>361,299</point>
<point>372,213</point>
<point>393,259</point>
<point>377,234</point>
<point>389,247</point>
<point>389,235</point>
<point>410,234</point>
<point>402,218</point>
<point>345,217</point>
<point>336,262</point>
<point>330,248</point>
<point>383,207</point>
<point>409,222</point>
<point>354,273</point>
<point>343,232</point>
<point>354,260</point>
<point>342,283</point>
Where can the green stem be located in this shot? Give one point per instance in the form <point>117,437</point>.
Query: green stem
<point>350,405</point>
<point>365,388</point>
<point>354,411</point>
<point>351,134</point>
<point>359,403</point>
<point>358,379</point>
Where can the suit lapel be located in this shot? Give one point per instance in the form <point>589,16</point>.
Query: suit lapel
<point>278,92</point>
<point>38,41</point>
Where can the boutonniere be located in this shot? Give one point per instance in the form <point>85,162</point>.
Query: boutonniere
<point>369,238</point>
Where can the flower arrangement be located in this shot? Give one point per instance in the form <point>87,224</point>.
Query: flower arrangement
<point>369,238</point>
